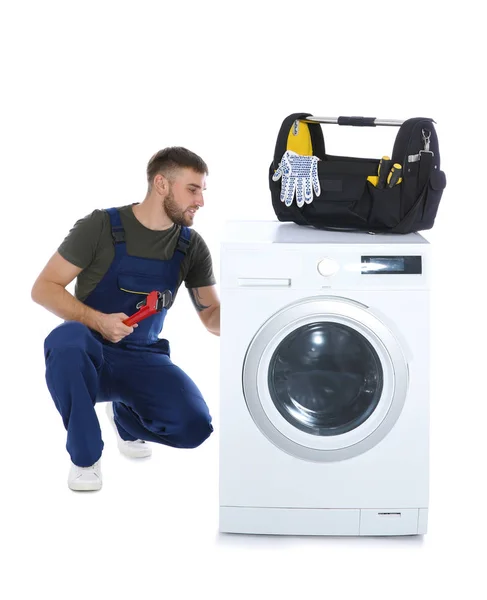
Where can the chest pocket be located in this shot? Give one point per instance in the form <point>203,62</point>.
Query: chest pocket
<point>134,283</point>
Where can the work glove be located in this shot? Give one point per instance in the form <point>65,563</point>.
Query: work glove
<point>299,173</point>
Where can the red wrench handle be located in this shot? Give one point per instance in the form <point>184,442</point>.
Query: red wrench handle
<point>140,315</point>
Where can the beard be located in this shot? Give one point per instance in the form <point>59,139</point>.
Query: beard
<point>177,216</point>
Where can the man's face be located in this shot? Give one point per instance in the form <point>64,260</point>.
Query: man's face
<point>185,196</point>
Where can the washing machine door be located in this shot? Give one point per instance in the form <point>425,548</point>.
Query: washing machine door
<point>325,379</point>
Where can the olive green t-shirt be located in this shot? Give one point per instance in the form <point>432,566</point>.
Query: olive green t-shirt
<point>89,245</point>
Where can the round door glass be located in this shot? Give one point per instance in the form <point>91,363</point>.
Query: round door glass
<point>325,378</point>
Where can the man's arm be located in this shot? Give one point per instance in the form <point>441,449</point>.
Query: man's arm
<point>49,291</point>
<point>207,304</point>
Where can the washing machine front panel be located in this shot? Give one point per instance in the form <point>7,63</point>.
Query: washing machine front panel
<point>325,379</point>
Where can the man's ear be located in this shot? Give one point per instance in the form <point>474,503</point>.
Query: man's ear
<point>161,184</point>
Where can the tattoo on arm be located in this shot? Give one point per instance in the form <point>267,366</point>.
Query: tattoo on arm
<point>196,299</point>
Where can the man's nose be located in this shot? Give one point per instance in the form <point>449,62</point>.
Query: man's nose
<point>200,201</point>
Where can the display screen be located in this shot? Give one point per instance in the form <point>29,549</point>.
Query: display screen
<point>377,265</point>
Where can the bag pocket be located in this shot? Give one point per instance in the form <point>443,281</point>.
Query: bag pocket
<point>339,183</point>
<point>436,185</point>
<point>337,203</point>
<point>385,210</point>
<point>340,193</point>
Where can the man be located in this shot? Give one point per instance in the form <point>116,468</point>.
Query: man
<point>119,256</point>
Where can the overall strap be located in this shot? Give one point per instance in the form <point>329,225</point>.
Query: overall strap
<point>183,241</point>
<point>118,232</point>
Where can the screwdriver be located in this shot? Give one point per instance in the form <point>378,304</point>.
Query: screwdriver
<point>394,176</point>
<point>384,166</point>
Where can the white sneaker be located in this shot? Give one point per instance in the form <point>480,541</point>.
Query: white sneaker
<point>135,449</point>
<point>85,479</point>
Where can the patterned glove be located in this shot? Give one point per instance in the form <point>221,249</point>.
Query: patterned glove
<point>299,173</point>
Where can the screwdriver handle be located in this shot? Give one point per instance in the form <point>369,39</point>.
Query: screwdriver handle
<point>394,175</point>
<point>384,167</point>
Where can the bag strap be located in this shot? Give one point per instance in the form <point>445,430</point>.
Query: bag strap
<point>366,228</point>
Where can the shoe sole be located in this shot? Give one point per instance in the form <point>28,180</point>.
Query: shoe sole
<point>141,454</point>
<point>84,487</point>
<point>137,454</point>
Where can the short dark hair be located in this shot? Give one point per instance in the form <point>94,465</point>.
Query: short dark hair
<point>169,159</point>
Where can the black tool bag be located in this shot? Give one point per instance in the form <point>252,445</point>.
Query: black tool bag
<point>349,199</point>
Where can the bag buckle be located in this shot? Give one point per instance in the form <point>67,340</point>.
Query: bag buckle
<point>426,139</point>
<point>426,135</point>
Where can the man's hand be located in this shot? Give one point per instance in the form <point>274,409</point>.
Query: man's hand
<point>49,291</point>
<point>112,327</point>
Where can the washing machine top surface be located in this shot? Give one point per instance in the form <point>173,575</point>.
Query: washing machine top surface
<point>276,232</point>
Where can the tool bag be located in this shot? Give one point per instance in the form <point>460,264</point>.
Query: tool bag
<point>349,198</point>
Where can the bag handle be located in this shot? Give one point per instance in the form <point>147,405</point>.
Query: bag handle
<point>355,121</point>
<point>316,132</point>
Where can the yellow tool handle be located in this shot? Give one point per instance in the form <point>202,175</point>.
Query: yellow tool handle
<point>394,175</point>
<point>374,180</point>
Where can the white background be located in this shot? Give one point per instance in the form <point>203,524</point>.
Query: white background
<point>90,91</point>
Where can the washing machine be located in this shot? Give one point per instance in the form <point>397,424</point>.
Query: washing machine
<point>324,399</point>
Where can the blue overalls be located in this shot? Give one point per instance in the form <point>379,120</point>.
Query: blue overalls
<point>153,399</point>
